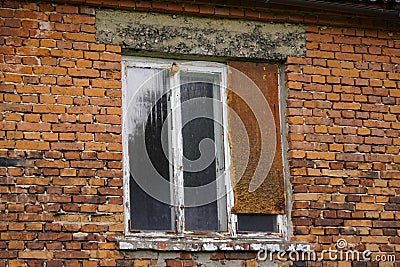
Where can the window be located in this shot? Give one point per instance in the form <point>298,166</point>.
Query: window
<point>178,148</point>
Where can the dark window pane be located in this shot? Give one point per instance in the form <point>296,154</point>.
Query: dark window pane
<point>147,212</point>
<point>199,164</point>
<point>149,167</point>
<point>257,223</point>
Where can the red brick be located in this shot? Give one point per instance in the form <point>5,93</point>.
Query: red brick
<point>89,199</point>
<point>206,10</point>
<point>55,236</point>
<point>67,146</point>
<point>35,255</point>
<point>79,19</point>
<point>48,109</point>
<point>72,255</point>
<point>32,145</point>
<point>175,7</point>
<point>143,5</point>
<point>83,72</point>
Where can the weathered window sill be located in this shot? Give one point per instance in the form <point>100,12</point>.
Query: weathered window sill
<point>270,243</point>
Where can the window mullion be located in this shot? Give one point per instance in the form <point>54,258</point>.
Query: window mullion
<point>177,152</point>
<point>232,218</point>
<point>125,154</point>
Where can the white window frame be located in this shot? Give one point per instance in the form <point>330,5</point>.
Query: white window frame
<point>231,233</point>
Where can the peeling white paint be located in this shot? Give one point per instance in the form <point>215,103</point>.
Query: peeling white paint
<point>198,244</point>
<point>225,247</point>
<point>255,246</point>
<point>79,235</point>
<point>44,25</point>
<point>238,247</point>
<point>209,247</point>
<point>125,245</point>
<point>271,247</point>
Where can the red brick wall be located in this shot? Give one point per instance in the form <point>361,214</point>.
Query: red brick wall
<point>60,114</point>
<point>344,126</point>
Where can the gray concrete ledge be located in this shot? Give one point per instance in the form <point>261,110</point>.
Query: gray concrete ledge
<point>198,36</point>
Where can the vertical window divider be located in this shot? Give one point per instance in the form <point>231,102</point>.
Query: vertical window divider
<point>220,161</point>
<point>232,218</point>
<point>125,154</point>
<point>171,161</point>
<point>177,152</point>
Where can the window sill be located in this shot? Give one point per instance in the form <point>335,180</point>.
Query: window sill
<point>269,243</point>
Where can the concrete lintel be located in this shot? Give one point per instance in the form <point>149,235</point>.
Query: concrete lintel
<point>198,36</point>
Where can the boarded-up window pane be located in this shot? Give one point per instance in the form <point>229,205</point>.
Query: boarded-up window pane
<point>269,195</point>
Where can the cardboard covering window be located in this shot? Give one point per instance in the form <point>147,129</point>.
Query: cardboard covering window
<point>255,139</point>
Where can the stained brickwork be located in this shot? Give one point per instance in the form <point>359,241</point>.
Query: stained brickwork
<point>60,110</point>
<point>343,114</point>
<point>61,114</point>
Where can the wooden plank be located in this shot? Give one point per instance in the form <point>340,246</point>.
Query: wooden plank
<point>248,155</point>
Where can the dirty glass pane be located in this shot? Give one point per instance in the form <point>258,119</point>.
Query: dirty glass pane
<point>149,168</point>
<point>257,223</point>
<point>200,150</point>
